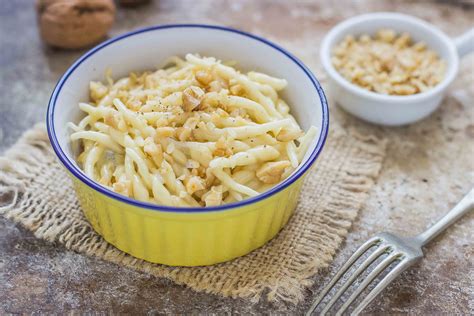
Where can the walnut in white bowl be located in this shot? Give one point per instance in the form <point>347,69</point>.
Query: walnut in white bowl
<point>388,63</point>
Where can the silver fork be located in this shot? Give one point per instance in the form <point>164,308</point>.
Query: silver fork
<point>401,252</point>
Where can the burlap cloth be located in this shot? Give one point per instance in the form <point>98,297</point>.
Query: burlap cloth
<point>36,192</point>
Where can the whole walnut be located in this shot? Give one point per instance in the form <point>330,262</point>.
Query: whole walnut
<point>74,23</point>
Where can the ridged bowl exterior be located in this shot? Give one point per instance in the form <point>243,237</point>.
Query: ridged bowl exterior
<point>188,238</point>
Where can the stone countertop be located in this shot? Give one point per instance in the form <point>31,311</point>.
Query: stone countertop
<point>428,168</point>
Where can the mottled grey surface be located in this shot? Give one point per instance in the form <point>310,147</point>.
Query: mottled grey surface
<point>428,168</point>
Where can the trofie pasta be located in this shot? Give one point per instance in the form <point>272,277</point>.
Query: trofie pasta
<point>196,133</point>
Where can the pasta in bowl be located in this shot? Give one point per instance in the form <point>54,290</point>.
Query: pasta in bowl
<point>198,162</point>
<point>197,133</point>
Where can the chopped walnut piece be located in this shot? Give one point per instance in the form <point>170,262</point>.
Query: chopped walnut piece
<point>97,90</point>
<point>191,122</point>
<point>386,35</point>
<point>194,184</point>
<point>116,121</point>
<point>271,172</point>
<point>222,149</point>
<point>154,150</point>
<point>192,97</point>
<point>404,89</point>
<point>203,77</point>
<point>214,196</point>
<point>183,133</point>
<point>210,177</point>
<point>133,104</point>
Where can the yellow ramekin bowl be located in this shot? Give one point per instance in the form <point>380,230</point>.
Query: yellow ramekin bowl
<point>179,236</point>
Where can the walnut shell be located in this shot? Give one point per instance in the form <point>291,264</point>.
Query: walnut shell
<point>74,24</point>
<point>132,3</point>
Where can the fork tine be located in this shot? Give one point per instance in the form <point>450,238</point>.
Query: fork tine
<point>362,249</point>
<point>367,262</point>
<point>402,266</point>
<point>370,277</point>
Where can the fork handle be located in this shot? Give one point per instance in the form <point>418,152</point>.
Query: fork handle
<point>465,205</point>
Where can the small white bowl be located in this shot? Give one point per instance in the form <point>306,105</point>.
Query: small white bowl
<point>389,109</point>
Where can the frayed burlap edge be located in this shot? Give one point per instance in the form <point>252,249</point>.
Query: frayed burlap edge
<point>331,197</point>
